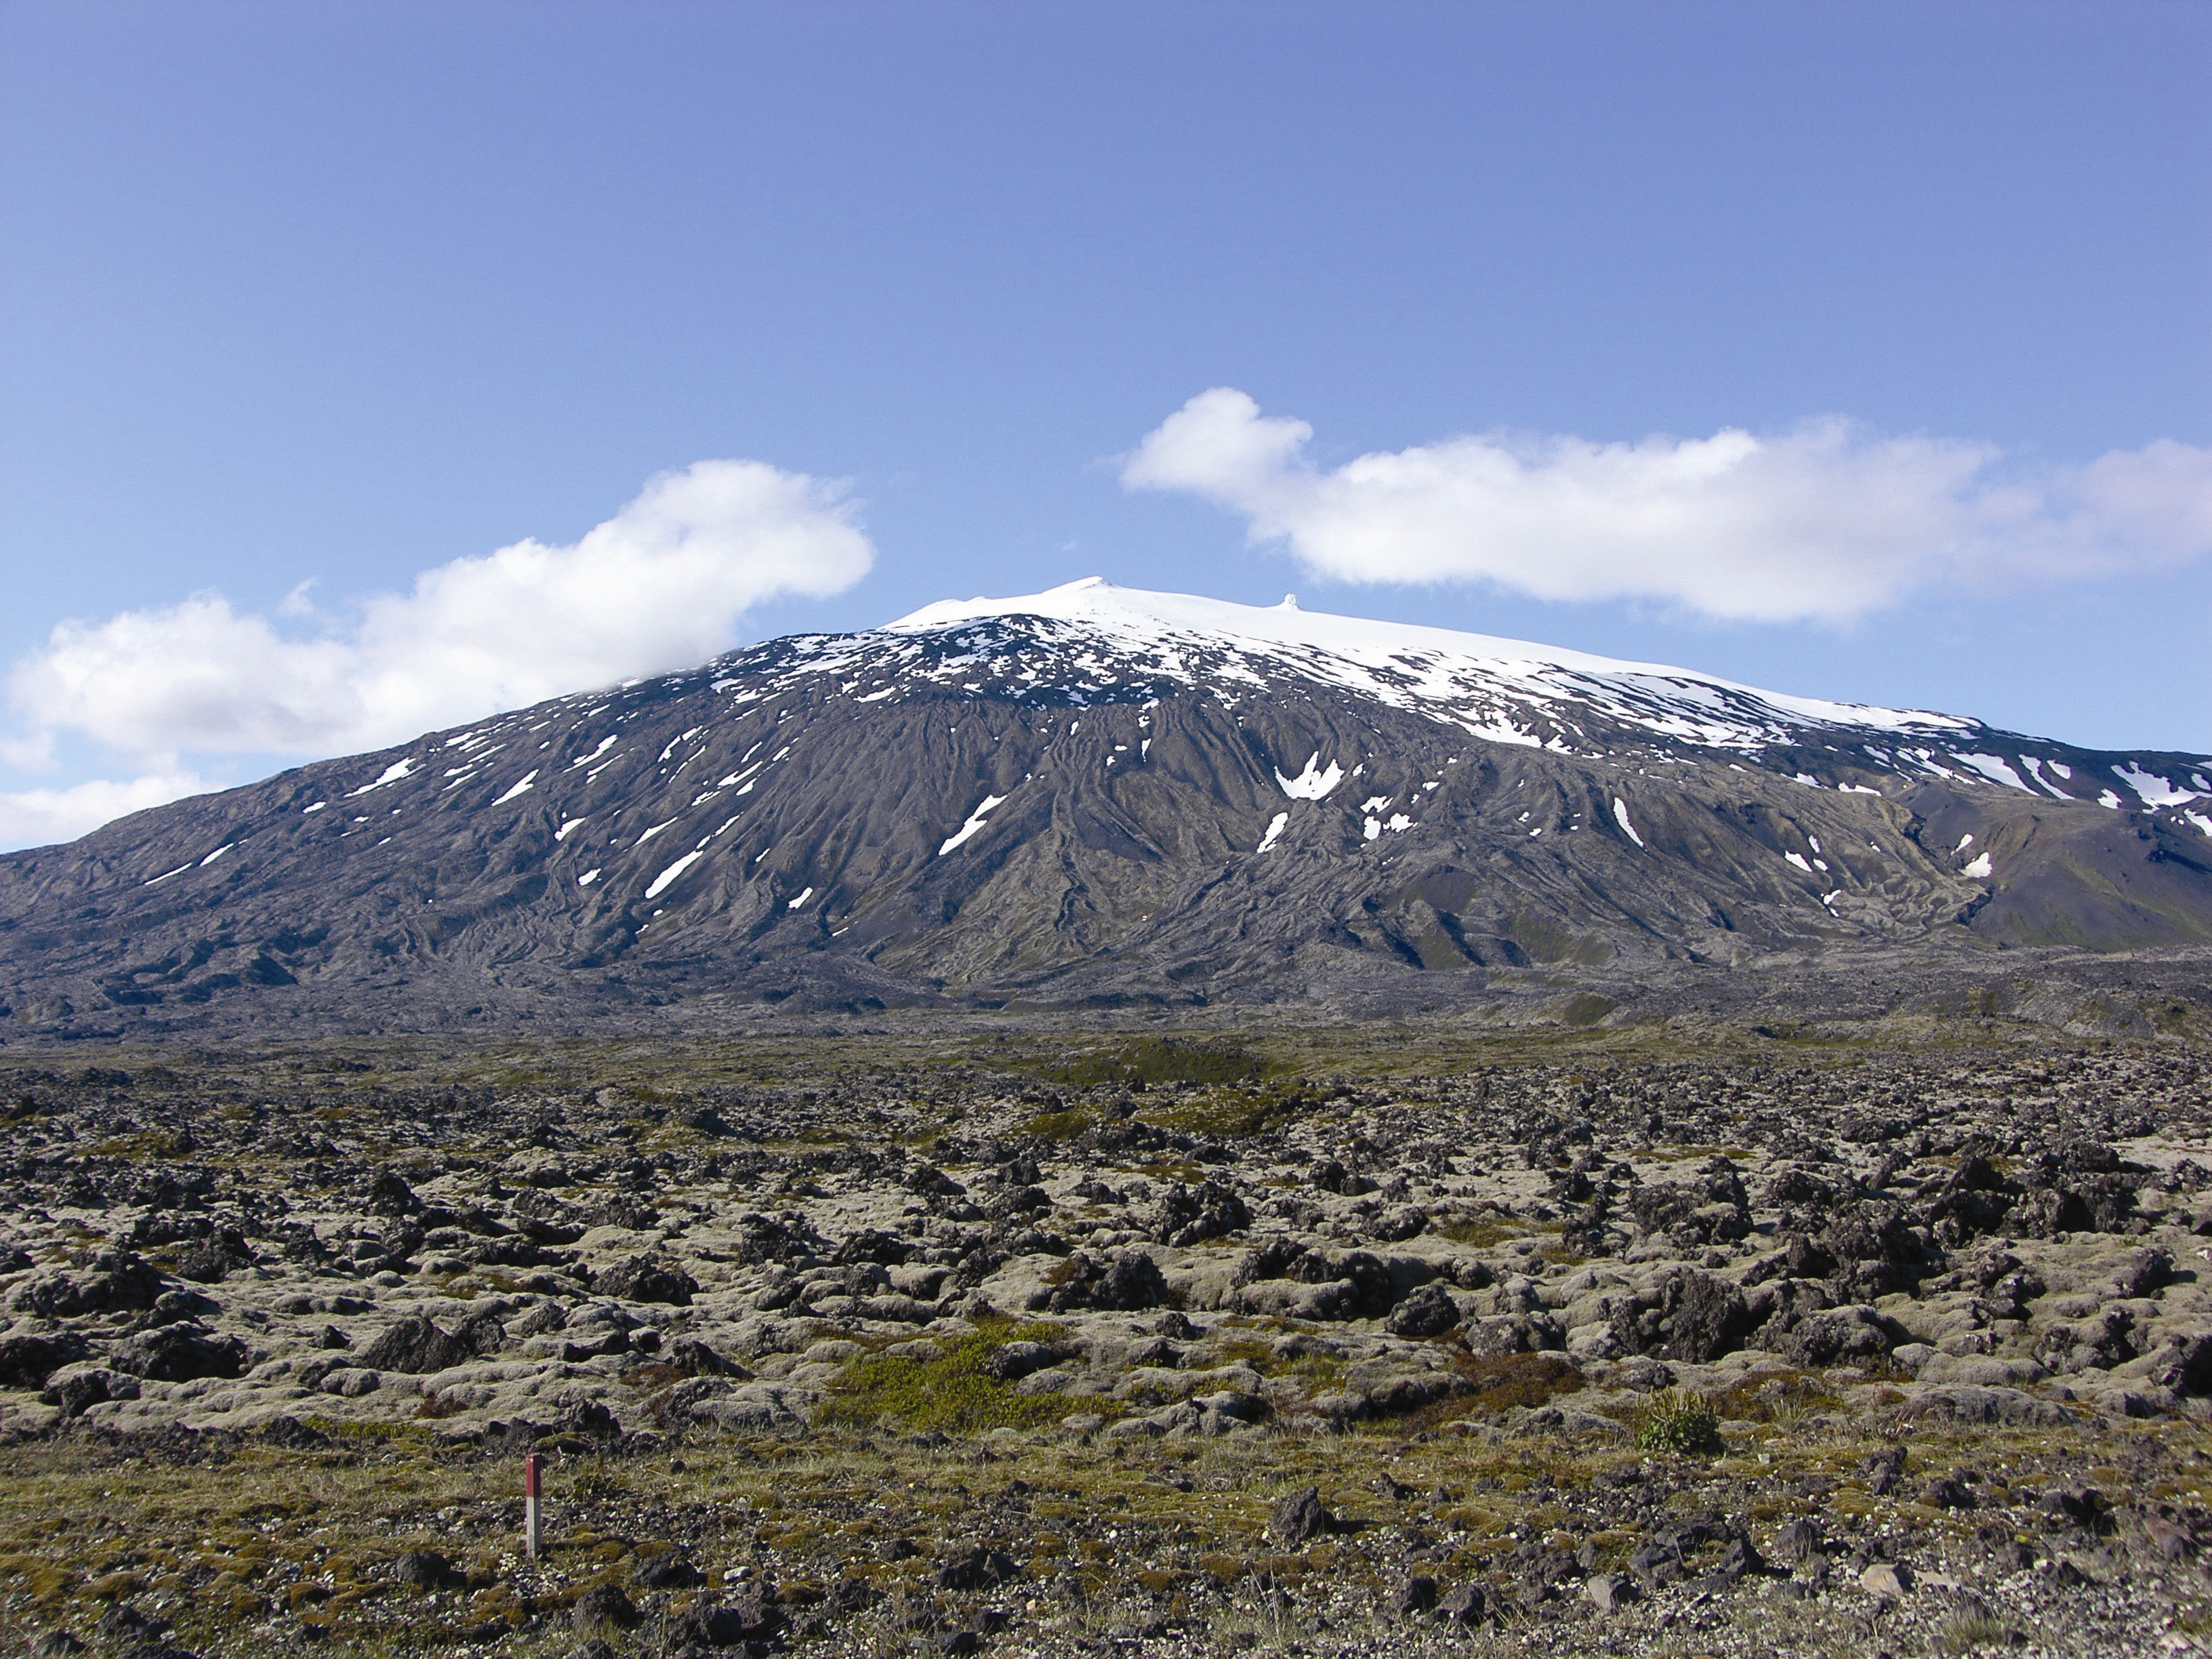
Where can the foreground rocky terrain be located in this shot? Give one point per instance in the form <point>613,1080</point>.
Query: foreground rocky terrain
<point>1358,1340</point>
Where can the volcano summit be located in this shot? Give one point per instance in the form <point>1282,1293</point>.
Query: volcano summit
<point>1097,796</point>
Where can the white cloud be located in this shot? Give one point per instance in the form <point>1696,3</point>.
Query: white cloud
<point>38,817</point>
<point>1826,522</point>
<point>659,585</point>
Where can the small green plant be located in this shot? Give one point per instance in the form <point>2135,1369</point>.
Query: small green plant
<point>1680,1420</point>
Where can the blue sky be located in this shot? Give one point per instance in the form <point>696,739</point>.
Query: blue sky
<point>342,294</point>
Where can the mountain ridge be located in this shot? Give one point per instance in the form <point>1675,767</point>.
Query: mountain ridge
<point>1097,793</point>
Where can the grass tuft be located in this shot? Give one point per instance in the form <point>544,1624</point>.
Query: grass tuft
<point>1680,1420</point>
<point>1967,1632</point>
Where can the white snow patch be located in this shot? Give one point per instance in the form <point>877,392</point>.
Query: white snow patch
<point>567,824</point>
<point>605,744</point>
<point>660,881</point>
<point>1979,869</point>
<point>529,780</point>
<point>1964,841</point>
<point>2200,821</point>
<point>800,900</point>
<point>1397,823</point>
<point>1857,789</point>
<point>2154,790</point>
<point>1993,767</point>
<point>587,878</point>
<point>2108,798</point>
<point>181,868</point>
<point>1274,830</point>
<point>2033,764</point>
<point>651,833</point>
<point>217,853</point>
<point>1798,858</point>
<point>1312,784</point>
<point>1496,728</point>
<point>391,773</point>
<point>1375,803</point>
<point>1620,815</point>
<point>317,807</point>
<point>2061,768</point>
<point>1372,830</point>
<point>975,823</point>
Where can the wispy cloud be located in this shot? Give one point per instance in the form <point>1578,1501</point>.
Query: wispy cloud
<point>1826,522</point>
<point>661,585</point>
<point>35,818</point>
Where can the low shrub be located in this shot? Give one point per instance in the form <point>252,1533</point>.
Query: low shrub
<point>1514,1379</point>
<point>1775,1395</point>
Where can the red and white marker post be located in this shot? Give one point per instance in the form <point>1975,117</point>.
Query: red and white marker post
<point>531,1492</point>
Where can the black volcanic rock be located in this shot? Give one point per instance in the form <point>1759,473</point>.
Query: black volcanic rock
<point>416,1347</point>
<point>26,1361</point>
<point>646,1279</point>
<point>180,1353</point>
<point>1093,797</point>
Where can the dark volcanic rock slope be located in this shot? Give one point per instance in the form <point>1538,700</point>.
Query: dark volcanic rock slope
<point>1090,794</point>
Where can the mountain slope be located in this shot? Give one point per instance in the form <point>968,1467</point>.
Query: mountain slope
<point>1097,793</point>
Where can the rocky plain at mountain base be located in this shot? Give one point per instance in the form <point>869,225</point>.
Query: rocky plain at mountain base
<point>1360,1341</point>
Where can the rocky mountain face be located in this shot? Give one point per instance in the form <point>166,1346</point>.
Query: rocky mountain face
<point>1099,797</point>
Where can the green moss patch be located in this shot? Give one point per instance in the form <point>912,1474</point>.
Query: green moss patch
<point>953,1394</point>
<point>1153,1061</point>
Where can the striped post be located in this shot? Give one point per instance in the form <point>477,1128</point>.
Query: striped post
<point>531,1492</point>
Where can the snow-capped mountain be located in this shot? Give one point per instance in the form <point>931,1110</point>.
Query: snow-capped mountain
<point>1097,792</point>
